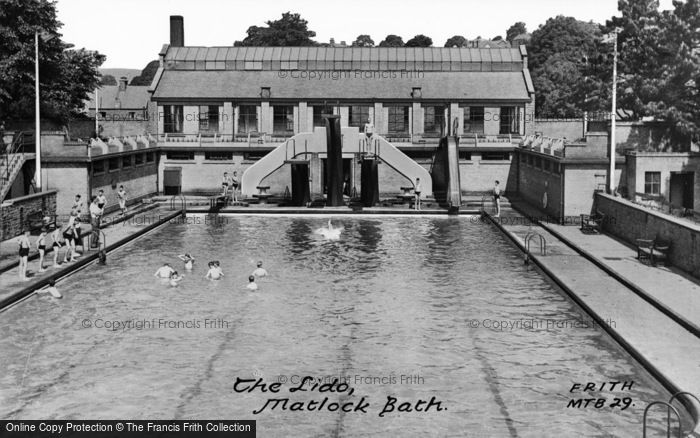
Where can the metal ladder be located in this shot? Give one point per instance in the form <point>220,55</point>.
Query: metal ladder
<point>543,242</point>
<point>669,409</point>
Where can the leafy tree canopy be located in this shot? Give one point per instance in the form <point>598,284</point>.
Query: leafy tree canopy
<point>515,30</point>
<point>290,30</point>
<point>456,41</point>
<point>419,41</point>
<point>66,75</point>
<point>392,41</point>
<point>147,74</point>
<point>363,41</point>
<point>108,80</point>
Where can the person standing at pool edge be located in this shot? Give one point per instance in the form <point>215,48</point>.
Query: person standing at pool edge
<point>41,245</point>
<point>417,191</point>
<point>497,198</point>
<point>23,254</point>
<point>234,186</point>
<point>101,201</point>
<point>121,195</point>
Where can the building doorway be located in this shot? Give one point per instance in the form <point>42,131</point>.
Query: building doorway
<point>681,190</point>
<point>347,176</point>
<point>172,180</point>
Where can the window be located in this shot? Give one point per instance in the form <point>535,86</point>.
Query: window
<point>289,65</point>
<point>358,115</point>
<point>252,65</point>
<point>254,156</point>
<point>150,157</point>
<point>113,164</point>
<point>172,118</point>
<point>495,156</point>
<point>547,165</point>
<point>652,183</point>
<point>138,159</point>
<point>247,119</point>
<point>209,118</point>
<point>398,120</point>
<point>98,167</point>
<point>283,119</point>
<point>179,155</point>
<point>433,119</point>
<point>126,161</point>
<point>509,123</point>
<point>218,155</point>
<point>318,116</point>
<point>538,162</point>
<point>474,119</point>
<point>465,155</point>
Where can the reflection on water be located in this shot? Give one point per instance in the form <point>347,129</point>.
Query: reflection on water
<point>389,309</point>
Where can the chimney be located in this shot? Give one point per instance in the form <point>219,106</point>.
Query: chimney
<point>177,31</point>
<point>122,83</point>
<point>332,42</point>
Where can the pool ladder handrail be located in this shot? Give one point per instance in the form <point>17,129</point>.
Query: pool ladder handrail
<point>668,414</point>
<point>184,202</point>
<point>543,242</point>
<point>668,418</point>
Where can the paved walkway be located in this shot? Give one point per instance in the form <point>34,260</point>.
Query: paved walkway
<point>10,282</point>
<point>660,341</point>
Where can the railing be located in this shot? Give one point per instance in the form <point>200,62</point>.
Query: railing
<point>11,158</point>
<point>544,144</point>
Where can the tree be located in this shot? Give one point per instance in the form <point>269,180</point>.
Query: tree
<point>363,41</point>
<point>456,41</point>
<point>659,71</point>
<point>147,74</point>
<point>66,75</point>
<point>392,41</point>
<point>497,38</point>
<point>563,79</point>
<point>516,29</point>
<point>108,80</point>
<point>290,30</point>
<point>419,41</point>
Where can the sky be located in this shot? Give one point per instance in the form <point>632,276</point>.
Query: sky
<point>131,32</point>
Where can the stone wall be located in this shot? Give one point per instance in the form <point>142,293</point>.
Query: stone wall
<point>630,222</point>
<point>14,212</point>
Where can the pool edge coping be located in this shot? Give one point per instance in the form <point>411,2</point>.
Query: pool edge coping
<point>79,264</point>
<point>689,403</point>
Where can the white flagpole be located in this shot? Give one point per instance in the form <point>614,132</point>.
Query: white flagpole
<point>37,121</point>
<point>613,117</point>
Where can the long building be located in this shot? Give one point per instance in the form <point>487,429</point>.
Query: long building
<point>229,106</point>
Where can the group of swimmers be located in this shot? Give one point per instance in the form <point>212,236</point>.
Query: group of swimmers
<point>213,273</point>
<point>230,184</point>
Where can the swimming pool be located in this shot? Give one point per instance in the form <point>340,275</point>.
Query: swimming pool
<point>390,309</point>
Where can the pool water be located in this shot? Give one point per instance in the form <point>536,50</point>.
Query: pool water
<point>389,309</point>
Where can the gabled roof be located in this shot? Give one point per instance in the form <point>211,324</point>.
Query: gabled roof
<point>110,97</point>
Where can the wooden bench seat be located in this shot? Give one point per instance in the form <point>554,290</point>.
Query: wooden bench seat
<point>592,223</point>
<point>653,250</point>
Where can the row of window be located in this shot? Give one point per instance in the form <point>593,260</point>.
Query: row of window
<point>358,115</point>
<point>541,163</point>
<point>122,162</point>
<point>422,154</point>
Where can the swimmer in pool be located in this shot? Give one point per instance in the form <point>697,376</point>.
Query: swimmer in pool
<point>330,233</point>
<point>52,290</point>
<point>188,259</point>
<point>260,271</point>
<point>214,272</point>
<point>175,279</point>
<point>252,285</point>
<point>164,271</point>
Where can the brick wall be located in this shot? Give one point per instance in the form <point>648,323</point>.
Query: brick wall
<point>68,179</point>
<point>566,128</point>
<point>14,212</point>
<point>630,222</point>
<point>533,183</point>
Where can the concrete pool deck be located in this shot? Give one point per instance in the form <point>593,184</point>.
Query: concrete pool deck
<point>668,349</point>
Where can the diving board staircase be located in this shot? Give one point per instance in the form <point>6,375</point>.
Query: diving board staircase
<point>300,146</point>
<point>11,163</point>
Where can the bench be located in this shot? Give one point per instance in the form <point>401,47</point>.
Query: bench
<point>653,250</point>
<point>592,223</point>
<point>38,220</point>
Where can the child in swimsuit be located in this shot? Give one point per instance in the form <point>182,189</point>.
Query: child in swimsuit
<point>23,254</point>
<point>69,238</point>
<point>175,279</point>
<point>121,194</point>
<point>188,259</point>
<point>260,271</point>
<point>56,236</point>
<point>214,272</point>
<point>497,198</point>
<point>224,184</point>
<point>41,244</point>
<point>234,185</point>
<point>101,201</point>
<point>52,290</point>
<point>251,283</point>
